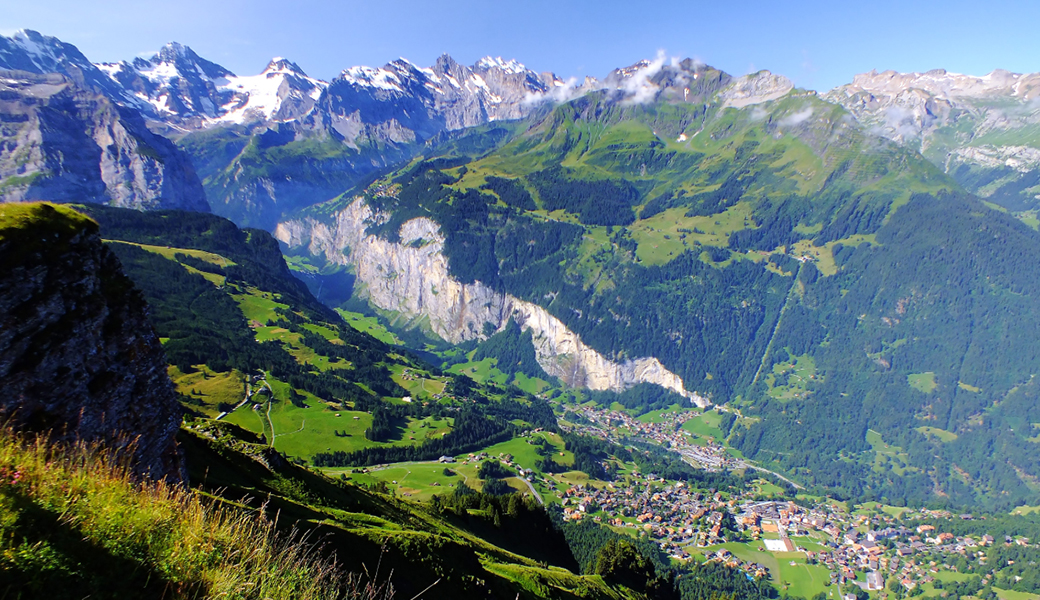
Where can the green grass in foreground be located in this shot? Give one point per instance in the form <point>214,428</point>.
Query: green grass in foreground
<point>209,388</point>
<point>40,216</point>
<point>1025,510</point>
<point>923,382</point>
<point>940,434</point>
<point>259,306</point>
<point>318,426</point>
<point>74,524</point>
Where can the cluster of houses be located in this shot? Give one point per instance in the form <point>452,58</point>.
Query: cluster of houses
<point>856,549</point>
<point>672,514</point>
<point>668,432</point>
<point>868,550</point>
<point>865,550</point>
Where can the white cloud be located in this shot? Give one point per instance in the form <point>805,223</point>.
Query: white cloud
<point>758,114</point>
<point>797,118</point>
<point>638,85</point>
<point>903,122</point>
<point>558,94</point>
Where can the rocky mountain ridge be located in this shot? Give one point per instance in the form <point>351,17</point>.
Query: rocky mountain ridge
<point>186,92</point>
<point>33,52</point>
<point>406,103</point>
<point>268,144</point>
<point>66,143</point>
<point>411,277</point>
<point>978,129</point>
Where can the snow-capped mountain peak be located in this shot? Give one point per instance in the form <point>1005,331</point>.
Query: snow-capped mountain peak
<point>45,52</point>
<point>509,66</point>
<point>188,91</point>
<point>34,52</point>
<point>281,92</point>
<point>386,78</point>
<point>283,65</point>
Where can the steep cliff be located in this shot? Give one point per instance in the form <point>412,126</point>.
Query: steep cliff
<point>411,277</point>
<point>78,356</point>
<point>64,143</point>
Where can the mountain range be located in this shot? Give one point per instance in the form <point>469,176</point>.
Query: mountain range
<point>237,129</point>
<point>501,334</point>
<point>732,239</point>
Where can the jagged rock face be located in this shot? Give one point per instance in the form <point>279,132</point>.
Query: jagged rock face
<point>412,278</point>
<point>66,144</point>
<point>403,103</point>
<point>659,80</point>
<point>978,129</point>
<point>175,81</point>
<point>176,90</point>
<point>78,356</point>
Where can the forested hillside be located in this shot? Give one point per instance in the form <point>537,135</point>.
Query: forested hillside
<point>778,258</point>
<point>230,314</point>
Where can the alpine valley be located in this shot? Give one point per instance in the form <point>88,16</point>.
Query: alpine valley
<point>477,331</point>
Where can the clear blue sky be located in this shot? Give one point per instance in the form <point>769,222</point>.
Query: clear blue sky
<point>817,44</point>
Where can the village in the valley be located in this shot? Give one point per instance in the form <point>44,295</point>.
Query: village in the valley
<point>761,535</point>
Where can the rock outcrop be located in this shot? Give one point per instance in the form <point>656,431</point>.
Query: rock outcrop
<point>78,356</point>
<point>63,143</point>
<point>411,277</point>
<point>980,130</point>
<point>755,88</point>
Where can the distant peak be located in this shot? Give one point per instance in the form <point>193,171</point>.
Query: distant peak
<point>496,62</point>
<point>28,34</point>
<point>173,51</point>
<point>279,64</point>
<point>445,63</point>
<point>34,41</point>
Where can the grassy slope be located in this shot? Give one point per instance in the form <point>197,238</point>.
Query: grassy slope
<point>73,523</point>
<point>822,165</point>
<point>425,546</point>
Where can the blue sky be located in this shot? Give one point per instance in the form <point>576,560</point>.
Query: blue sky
<point>817,44</point>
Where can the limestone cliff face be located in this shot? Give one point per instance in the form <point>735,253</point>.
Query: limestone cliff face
<point>411,277</point>
<point>78,357</point>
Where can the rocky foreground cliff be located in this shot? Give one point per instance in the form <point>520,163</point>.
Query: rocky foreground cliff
<point>78,356</point>
<point>411,277</point>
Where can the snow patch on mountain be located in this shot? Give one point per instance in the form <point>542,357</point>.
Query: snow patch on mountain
<point>260,97</point>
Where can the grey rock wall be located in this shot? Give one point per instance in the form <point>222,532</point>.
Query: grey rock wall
<point>78,356</point>
<point>62,143</point>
